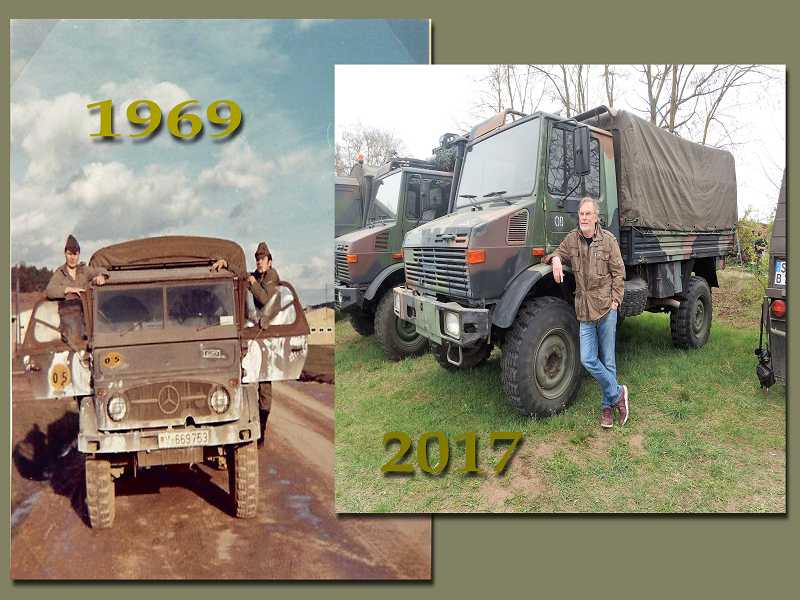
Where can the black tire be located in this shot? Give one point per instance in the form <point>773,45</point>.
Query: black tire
<point>470,357</point>
<point>243,479</point>
<point>690,323</point>
<point>363,323</point>
<point>398,338</point>
<point>541,367</point>
<point>99,493</point>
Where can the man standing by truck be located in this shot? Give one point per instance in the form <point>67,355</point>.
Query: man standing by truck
<point>68,282</point>
<point>596,261</point>
<point>263,285</point>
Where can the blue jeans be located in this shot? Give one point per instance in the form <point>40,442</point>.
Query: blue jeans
<point>597,354</point>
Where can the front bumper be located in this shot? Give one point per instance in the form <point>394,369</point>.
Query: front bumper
<point>428,315</point>
<point>93,441</point>
<point>349,298</point>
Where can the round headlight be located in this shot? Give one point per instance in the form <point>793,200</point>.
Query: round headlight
<point>452,324</point>
<point>219,400</point>
<point>117,408</point>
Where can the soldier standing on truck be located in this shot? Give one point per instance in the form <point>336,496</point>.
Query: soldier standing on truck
<point>264,287</point>
<point>263,284</point>
<point>67,283</point>
<point>596,261</point>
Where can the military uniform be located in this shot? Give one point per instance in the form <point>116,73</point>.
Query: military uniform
<point>70,306</point>
<point>265,287</point>
<point>61,279</point>
<point>266,300</point>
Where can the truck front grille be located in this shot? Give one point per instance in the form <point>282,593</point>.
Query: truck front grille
<point>167,401</point>
<point>438,270</point>
<point>342,269</point>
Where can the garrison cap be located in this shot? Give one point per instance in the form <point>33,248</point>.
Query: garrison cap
<point>72,245</point>
<point>262,250</point>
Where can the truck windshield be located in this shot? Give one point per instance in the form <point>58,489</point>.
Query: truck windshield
<point>122,310</point>
<point>387,198</point>
<point>505,163</point>
<point>201,305</point>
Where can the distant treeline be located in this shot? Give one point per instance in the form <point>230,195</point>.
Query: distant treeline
<point>31,279</point>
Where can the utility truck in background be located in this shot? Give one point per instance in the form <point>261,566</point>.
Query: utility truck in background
<point>476,277</point>
<point>404,194</point>
<point>775,307</point>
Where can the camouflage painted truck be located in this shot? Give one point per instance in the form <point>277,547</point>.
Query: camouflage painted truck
<point>170,369</point>
<point>352,196</point>
<point>369,262</point>
<point>476,277</point>
<point>775,307</point>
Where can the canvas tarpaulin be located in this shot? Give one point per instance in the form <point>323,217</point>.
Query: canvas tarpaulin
<point>156,251</point>
<point>666,182</point>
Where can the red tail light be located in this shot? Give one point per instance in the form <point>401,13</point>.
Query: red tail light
<point>778,309</point>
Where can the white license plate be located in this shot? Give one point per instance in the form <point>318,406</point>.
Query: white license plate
<point>183,439</point>
<point>780,272</point>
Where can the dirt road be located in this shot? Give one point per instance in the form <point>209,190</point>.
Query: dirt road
<point>174,523</point>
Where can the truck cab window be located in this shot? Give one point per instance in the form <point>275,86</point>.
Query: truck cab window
<point>561,176</point>
<point>427,198</point>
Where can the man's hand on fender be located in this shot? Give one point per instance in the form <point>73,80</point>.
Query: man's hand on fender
<point>558,270</point>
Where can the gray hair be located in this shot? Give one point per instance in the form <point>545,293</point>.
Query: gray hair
<point>595,205</point>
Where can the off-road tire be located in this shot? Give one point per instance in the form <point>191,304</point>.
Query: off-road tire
<point>634,299</point>
<point>541,366</point>
<point>243,479</point>
<point>99,493</point>
<point>690,323</point>
<point>470,357</point>
<point>397,337</point>
<point>363,323</point>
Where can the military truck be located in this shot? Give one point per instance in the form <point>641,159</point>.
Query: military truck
<point>352,196</point>
<point>774,309</point>
<point>407,192</point>
<point>477,277</point>
<point>170,369</point>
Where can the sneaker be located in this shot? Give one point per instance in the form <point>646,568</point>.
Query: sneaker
<point>622,405</point>
<point>607,418</point>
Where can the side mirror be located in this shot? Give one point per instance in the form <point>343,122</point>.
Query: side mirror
<point>581,146</point>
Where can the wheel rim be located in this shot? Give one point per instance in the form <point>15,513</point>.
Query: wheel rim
<point>553,363</point>
<point>699,321</point>
<point>407,332</point>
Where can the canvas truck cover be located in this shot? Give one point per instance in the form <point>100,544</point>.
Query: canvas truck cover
<point>157,251</point>
<point>778,243</point>
<point>666,182</point>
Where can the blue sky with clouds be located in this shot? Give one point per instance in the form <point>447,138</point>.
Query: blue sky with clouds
<point>273,181</point>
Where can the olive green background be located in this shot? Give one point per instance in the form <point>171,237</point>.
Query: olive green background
<point>535,557</point>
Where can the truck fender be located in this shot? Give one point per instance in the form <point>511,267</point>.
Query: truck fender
<point>382,276</point>
<point>517,291</point>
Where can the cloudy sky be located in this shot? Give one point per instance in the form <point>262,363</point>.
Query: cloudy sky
<point>273,181</point>
<point>419,103</point>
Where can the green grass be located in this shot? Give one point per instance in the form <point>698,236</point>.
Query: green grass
<point>702,437</point>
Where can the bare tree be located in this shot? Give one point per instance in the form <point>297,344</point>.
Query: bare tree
<point>609,78</point>
<point>510,87</point>
<point>377,146</point>
<point>569,85</point>
<point>688,99</point>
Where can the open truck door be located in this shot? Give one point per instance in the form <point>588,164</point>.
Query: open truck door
<point>276,340</point>
<point>54,368</point>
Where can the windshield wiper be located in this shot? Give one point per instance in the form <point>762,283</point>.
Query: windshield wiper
<point>471,198</point>
<point>380,220</point>
<point>132,327</point>
<point>496,194</point>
